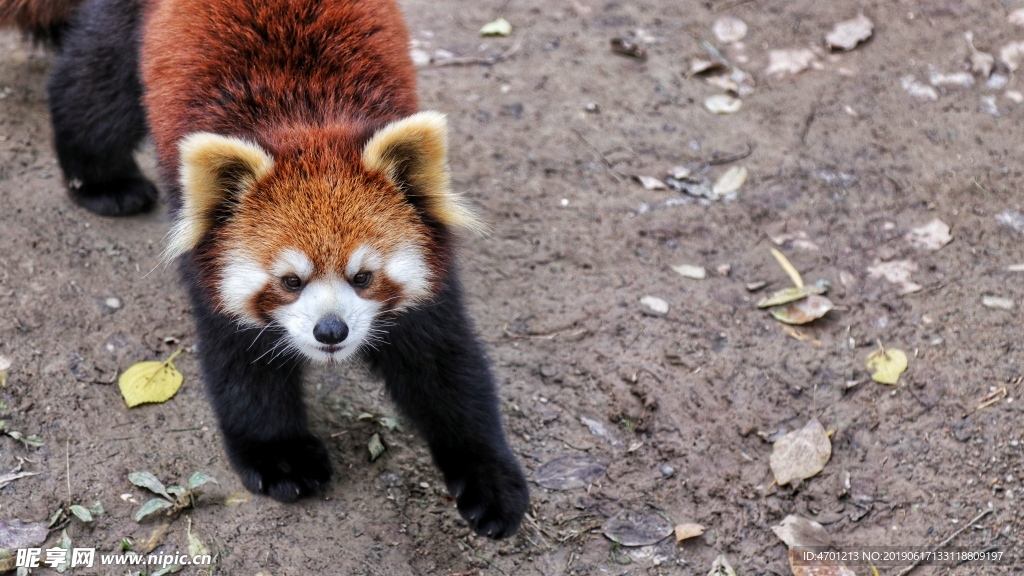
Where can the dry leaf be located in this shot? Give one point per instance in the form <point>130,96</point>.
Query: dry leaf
<point>731,181</point>
<point>723,104</point>
<point>700,66</point>
<point>803,311</point>
<point>801,454</point>
<point>846,35</point>
<point>686,531</point>
<point>957,79</point>
<point>981,62</point>
<point>569,472</point>
<point>729,29</point>
<point>628,48</point>
<point>636,529</point>
<point>150,382</point>
<point>499,27</point>
<point>931,236</point>
<point>918,90</point>
<point>782,62</point>
<point>795,532</point>
<point>886,365</point>
<point>898,272</point>
<point>799,532</point>
<point>650,183</point>
<point>792,294</point>
<point>721,567</point>
<point>196,547</point>
<point>1012,55</point>
<point>16,534</point>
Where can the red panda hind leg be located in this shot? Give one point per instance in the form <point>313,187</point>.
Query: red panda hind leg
<point>96,110</point>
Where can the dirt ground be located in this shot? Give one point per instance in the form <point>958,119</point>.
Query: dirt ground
<point>682,409</point>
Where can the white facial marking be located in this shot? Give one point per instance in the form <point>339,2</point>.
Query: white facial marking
<point>292,261</point>
<point>407,267</point>
<point>362,259</point>
<point>241,279</point>
<point>318,299</point>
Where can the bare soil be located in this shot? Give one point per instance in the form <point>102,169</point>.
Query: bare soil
<point>682,408</point>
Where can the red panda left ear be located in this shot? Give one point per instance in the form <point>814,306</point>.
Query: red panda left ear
<point>413,153</point>
<point>214,169</point>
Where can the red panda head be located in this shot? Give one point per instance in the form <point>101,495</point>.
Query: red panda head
<point>322,237</point>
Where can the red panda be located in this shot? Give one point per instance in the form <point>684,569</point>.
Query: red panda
<point>313,219</point>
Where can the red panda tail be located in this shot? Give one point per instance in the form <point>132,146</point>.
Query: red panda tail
<point>43,19</point>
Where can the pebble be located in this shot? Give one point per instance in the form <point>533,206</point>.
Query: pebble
<point>667,471</point>
<point>654,306</point>
<point>113,303</point>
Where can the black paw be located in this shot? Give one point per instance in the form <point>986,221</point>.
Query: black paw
<point>122,197</point>
<point>493,498</point>
<point>285,470</point>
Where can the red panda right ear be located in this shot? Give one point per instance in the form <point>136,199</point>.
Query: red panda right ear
<point>214,169</point>
<point>413,153</point>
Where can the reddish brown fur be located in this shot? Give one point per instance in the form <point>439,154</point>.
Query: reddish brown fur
<point>36,14</point>
<point>255,68</point>
<point>308,81</point>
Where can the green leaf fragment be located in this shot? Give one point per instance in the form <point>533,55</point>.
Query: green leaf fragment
<point>376,447</point>
<point>200,478</point>
<point>150,482</point>
<point>152,507</point>
<point>81,512</point>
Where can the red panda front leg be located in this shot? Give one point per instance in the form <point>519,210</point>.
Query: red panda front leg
<point>257,396</point>
<point>436,371</point>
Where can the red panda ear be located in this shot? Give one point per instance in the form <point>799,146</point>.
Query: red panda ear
<point>214,169</point>
<point>413,152</point>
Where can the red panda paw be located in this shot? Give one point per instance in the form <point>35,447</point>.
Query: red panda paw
<point>285,470</point>
<point>124,197</point>
<point>492,498</point>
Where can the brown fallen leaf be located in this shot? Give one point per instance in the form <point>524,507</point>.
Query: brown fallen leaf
<point>801,454</point>
<point>687,531</point>
<point>803,311</point>
<point>799,534</point>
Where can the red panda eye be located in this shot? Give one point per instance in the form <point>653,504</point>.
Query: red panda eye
<point>361,280</point>
<point>291,282</point>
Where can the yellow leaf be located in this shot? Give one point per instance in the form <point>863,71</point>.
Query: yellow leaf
<point>499,27</point>
<point>886,365</point>
<point>150,382</point>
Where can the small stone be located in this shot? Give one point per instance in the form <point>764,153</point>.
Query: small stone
<point>113,303</point>
<point>729,29</point>
<point>667,471</point>
<point>654,306</point>
<point>997,302</point>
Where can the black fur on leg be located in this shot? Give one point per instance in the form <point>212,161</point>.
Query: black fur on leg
<point>255,385</point>
<point>96,109</point>
<point>436,370</point>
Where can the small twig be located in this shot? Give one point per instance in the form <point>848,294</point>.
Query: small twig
<point>988,400</point>
<point>615,174</point>
<point>67,465</point>
<point>791,270</point>
<point>948,539</point>
<point>729,158</point>
<point>974,180</point>
<point>727,5</point>
<point>478,60</point>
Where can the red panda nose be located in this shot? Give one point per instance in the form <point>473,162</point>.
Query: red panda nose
<point>330,330</point>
